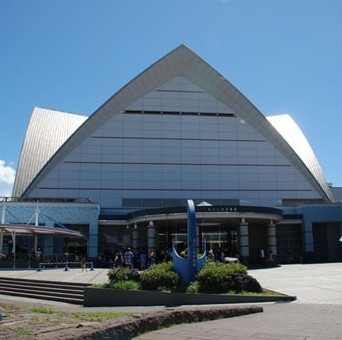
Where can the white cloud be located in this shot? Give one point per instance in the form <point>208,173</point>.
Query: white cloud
<point>7,175</point>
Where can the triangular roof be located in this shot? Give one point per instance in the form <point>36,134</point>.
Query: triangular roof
<point>296,139</point>
<point>46,133</point>
<point>185,63</point>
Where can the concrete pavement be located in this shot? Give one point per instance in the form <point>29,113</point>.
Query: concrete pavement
<point>311,283</point>
<point>98,275</point>
<point>317,313</point>
<point>278,321</point>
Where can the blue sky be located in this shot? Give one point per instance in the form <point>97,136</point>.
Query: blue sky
<point>285,56</point>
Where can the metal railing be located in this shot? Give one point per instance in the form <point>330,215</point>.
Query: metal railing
<point>23,261</point>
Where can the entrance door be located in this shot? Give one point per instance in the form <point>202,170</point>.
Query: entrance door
<point>320,238</point>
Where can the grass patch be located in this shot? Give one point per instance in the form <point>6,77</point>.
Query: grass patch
<point>98,316</point>
<point>81,316</point>
<point>43,310</point>
<point>120,285</point>
<point>265,292</point>
<point>271,292</point>
<point>22,331</point>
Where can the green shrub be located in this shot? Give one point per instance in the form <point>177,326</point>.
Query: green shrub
<point>237,268</point>
<point>160,277</point>
<point>123,274</point>
<point>126,285</point>
<point>216,277</point>
<point>194,287</point>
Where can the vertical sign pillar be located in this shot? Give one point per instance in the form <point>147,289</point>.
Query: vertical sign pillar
<point>192,253</point>
<point>244,242</point>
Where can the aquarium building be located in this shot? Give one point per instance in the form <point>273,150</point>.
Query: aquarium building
<point>177,131</point>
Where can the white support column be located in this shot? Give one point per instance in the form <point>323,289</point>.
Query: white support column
<point>36,217</point>
<point>3,211</point>
<point>135,239</point>
<point>272,238</point>
<point>151,237</point>
<point>243,241</point>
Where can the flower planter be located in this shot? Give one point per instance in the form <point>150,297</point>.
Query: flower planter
<point>106,297</point>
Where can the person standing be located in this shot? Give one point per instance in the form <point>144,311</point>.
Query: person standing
<point>211,255</point>
<point>84,264</point>
<point>118,259</point>
<point>152,258</point>
<point>270,260</point>
<point>262,256</point>
<point>143,259</point>
<point>129,258</point>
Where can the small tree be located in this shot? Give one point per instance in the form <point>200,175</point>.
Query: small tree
<point>160,277</point>
<point>123,274</point>
<point>216,277</point>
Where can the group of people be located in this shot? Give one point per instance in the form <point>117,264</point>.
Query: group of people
<point>141,260</point>
<point>127,258</point>
<point>221,255</point>
<point>266,260</point>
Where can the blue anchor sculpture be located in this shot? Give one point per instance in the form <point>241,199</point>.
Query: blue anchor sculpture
<point>187,267</point>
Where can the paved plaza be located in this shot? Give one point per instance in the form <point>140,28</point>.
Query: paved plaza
<point>315,315</point>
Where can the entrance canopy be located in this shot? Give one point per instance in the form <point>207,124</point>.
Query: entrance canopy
<point>32,230</point>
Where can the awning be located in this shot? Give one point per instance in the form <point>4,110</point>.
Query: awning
<point>27,230</point>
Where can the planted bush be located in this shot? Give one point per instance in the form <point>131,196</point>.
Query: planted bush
<point>216,277</point>
<point>126,285</point>
<point>122,285</point>
<point>160,277</point>
<point>123,274</point>
<point>193,288</point>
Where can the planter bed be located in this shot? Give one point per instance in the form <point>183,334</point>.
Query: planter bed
<point>106,297</point>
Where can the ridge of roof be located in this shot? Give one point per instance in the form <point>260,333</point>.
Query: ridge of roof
<point>182,61</point>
